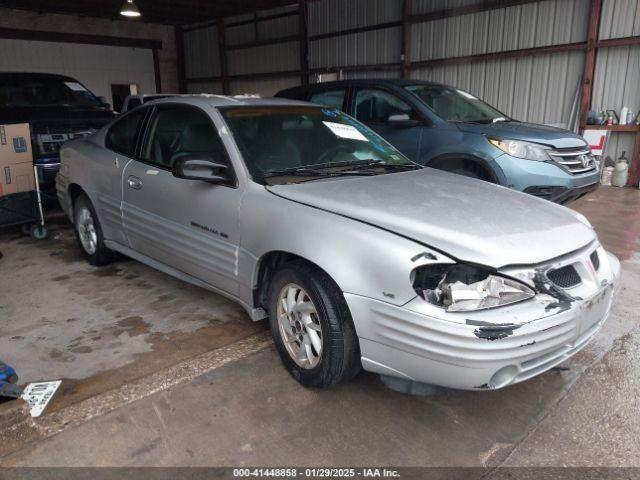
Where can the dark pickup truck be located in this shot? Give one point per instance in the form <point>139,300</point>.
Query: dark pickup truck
<point>58,109</point>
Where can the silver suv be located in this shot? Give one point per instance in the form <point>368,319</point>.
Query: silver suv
<point>357,256</point>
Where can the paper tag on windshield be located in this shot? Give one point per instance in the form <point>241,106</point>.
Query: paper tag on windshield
<point>38,395</point>
<point>75,86</point>
<point>345,131</point>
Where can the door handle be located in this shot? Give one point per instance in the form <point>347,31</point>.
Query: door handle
<point>134,182</point>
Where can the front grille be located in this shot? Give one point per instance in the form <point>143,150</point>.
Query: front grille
<point>50,143</point>
<point>574,160</point>
<point>53,128</point>
<point>595,260</point>
<point>565,277</point>
<point>50,128</point>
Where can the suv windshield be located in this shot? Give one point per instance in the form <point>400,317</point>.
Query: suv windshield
<point>300,141</point>
<point>456,105</point>
<point>17,91</point>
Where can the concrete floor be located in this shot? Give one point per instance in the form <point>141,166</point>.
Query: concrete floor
<point>124,331</point>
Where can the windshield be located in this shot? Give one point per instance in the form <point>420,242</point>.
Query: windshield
<point>45,92</point>
<point>456,105</point>
<point>283,141</point>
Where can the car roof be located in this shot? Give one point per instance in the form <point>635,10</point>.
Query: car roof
<point>367,82</point>
<point>145,95</point>
<point>36,75</point>
<point>226,101</point>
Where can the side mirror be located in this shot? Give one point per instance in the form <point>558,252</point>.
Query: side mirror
<point>401,120</point>
<point>200,167</point>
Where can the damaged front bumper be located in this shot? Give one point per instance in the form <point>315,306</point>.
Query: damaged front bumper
<point>483,349</point>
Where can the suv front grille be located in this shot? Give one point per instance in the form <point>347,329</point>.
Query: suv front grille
<point>565,277</point>
<point>576,161</point>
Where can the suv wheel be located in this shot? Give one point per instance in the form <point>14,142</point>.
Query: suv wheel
<point>89,233</point>
<point>312,327</point>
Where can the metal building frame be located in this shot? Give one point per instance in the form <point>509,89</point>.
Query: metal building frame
<point>405,65</point>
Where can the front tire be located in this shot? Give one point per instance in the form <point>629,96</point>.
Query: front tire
<point>467,173</point>
<point>89,233</point>
<point>312,327</point>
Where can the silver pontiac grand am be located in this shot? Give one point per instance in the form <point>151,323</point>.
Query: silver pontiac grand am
<point>358,257</point>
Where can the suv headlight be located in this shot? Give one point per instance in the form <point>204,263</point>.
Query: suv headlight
<point>526,150</point>
<point>461,288</point>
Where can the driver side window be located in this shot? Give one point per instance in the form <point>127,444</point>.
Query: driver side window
<point>176,131</point>
<point>375,106</point>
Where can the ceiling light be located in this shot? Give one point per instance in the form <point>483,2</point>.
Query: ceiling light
<point>129,9</point>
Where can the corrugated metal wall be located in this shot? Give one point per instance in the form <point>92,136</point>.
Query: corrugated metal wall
<point>268,58</point>
<point>523,26</point>
<point>427,6</point>
<point>524,88</point>
<point>620,18</point>
<point>201,53</point>
<point>616,81</point>
<point>365,48</point>
<point>541,88</point>
<point>205,87</point>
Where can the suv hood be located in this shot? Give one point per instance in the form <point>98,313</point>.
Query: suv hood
<point>471,220</point>
<point>57,118</point>
<point>529,132</point>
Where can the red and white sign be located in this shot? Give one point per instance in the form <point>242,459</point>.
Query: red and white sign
<point>597,140</point>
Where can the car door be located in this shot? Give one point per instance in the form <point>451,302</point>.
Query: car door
<point>120,141</point>
<point>374,106</point>
<point>189,225</point>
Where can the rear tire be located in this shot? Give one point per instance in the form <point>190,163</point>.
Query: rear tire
<point>312,327</point>
<point>89,233</point>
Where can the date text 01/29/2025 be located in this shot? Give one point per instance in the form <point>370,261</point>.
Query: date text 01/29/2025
<point>315,473</point>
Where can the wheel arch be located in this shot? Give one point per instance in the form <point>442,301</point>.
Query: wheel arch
<point>268,265</point>
<point>454,161</point>
<point>75,191</point>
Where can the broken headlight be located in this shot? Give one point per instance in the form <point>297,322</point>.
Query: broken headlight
<point>526,150</point>
<point>460,287</point>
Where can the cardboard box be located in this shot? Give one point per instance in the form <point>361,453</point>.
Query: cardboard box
<point>17,178</point>
<point>16,159</point>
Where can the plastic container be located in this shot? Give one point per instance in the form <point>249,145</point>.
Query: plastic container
<point>623,116</point>
<point>620,172</point>
<point>607,173</point>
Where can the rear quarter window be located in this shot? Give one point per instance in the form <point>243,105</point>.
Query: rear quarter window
<point>123,134</point>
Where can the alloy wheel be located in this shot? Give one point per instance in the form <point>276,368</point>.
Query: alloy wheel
<point>87,231</point>
<point>299,326</point>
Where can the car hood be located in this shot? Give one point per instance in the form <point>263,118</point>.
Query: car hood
<point>468,219</point>
<point>529,132</point>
